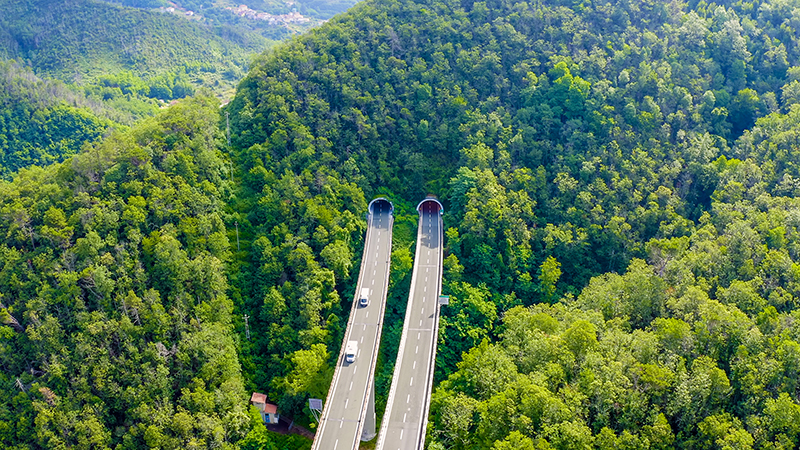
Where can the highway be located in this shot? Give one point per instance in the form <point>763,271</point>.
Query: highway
<point>349,409</point>
<point>405,419</point>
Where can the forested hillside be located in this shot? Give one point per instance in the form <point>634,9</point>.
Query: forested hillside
<point>114,294</point>
<point>567,142</point>
<point>40,122</point>
<point>78,41</point>
<point>69,70</point>
<point>623,225</point>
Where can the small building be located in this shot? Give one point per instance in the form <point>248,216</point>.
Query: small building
<point>269,411</point>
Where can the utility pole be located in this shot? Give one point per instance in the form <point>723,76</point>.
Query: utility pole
<point>246,326</point>
<point>237,237</point>
<point>228,126</point>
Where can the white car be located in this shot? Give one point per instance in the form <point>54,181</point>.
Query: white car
<point>350,351</point>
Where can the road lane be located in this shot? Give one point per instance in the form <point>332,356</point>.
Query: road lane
<point>404,422</point>
<point>347,404</point>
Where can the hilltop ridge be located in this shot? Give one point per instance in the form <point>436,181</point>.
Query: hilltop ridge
<point>77,41</point>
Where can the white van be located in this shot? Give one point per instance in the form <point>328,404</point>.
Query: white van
<point>350,351</point>
<point>363,299</point>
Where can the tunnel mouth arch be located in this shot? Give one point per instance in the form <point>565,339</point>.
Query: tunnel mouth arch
<point>431,200</point>
<point>382,202</point>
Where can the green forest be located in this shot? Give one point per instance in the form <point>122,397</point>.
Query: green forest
<point>79,40</point>
<point>622,248</point>
<point>125,62</point>
<point>69,71</point>
<point>41,122</point>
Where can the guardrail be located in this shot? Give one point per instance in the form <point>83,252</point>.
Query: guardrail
<point>403,338</point>
<point>348,329</point>
<point>434,340</point>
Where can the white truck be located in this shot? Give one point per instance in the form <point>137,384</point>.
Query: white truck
<point>363,299</point>
<point>350,351</point>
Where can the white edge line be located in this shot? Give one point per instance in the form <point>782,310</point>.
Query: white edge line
<point>403,337</point>
<point>435,341</point>
<point>347,334</point>
<point>376,347</point>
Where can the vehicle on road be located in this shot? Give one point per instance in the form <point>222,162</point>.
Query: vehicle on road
<point>363,299</point>
<point>350,351</point>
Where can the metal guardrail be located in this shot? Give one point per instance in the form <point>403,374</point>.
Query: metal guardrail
<point>403,338</point>
<point>348,329</point>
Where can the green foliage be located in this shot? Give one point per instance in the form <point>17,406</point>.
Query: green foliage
<point>92,38</point>
<point>621,192</point>
<point>113,264</point>
<point>634,161</point>
<point>100,45</point>
<point>693,349</point>
<point>41,122</point>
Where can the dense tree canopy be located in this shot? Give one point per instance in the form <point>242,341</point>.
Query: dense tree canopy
<point>621,194</point>
<point>80,40</point>
<point>645,143</point>
<point>114,292</point>
<point>39,121</point>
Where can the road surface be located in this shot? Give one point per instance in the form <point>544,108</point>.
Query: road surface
<point>406,416</point>
<point>347,407</point>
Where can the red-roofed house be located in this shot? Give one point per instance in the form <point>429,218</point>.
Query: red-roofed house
<point>269,411</point>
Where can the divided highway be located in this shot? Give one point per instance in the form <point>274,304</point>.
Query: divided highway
<point>407,406</point>
<point>349,410</point>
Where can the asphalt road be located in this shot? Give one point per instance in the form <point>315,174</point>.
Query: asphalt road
<point>341,422</point>
<point>406,414</point>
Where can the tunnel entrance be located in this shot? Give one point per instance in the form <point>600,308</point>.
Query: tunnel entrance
<point>430,205</point>
<point>382,204</point>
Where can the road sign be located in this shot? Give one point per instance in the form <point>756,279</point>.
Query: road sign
<point>315,405</point>
<point>444,300</point>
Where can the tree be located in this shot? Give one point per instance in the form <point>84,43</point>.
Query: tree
<point>549,273</point>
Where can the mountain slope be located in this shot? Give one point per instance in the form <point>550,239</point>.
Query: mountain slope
<point>121,63</point>
<point>567,141</point>
<point>408,92</point>
<point>82,39</point>
<point>117,326</point>
<point>40,122</point>
<point>620,184</point>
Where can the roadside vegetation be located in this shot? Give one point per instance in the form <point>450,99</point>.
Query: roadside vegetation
<point>621,215</point>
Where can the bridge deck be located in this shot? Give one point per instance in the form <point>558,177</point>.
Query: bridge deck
<point>406,416</point>
<point>349,407</point>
